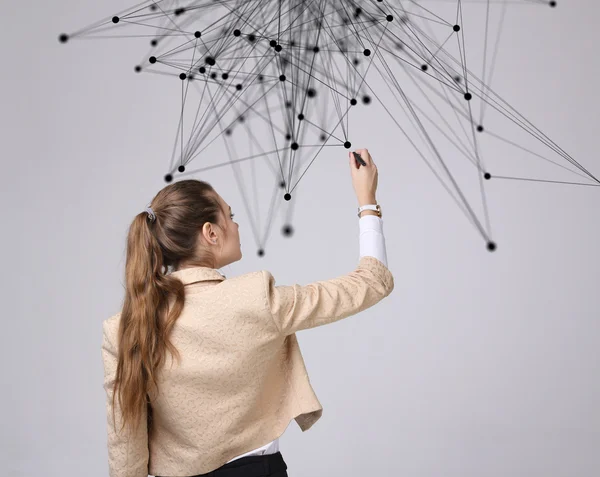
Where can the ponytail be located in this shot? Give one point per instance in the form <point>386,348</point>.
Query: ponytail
<point>153,299</point>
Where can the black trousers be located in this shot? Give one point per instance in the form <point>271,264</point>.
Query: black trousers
<point>269,465</point>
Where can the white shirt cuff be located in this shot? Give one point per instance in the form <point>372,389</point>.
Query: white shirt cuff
<point>371,238</point>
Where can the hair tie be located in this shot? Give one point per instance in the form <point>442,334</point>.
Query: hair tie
<point>151,214</point>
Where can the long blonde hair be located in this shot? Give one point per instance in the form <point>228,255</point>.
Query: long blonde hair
<point>154,247</point>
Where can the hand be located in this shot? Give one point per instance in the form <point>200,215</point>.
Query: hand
<point>364,178</point>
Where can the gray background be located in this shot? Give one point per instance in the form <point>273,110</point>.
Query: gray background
<point>478,364</point>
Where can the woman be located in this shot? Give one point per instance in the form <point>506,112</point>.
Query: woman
<point>240,377</point>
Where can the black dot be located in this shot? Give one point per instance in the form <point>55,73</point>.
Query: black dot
<point>138,69</point>
<point>278,48</point>
<point>316,49</point>
<point>287,196</point>
<point>287,230</point>
<point>301,116</point>
<point>389,18</point>
<point>456,28</point>
<point>367,52</point>
<point>311,92</point>
<point>182,76</point>
<point>63,38</point>
<point>294,146</point>
<point>458,79</point>
<point>366,99</point>
<point>168,178</point>
<point>282,184</point>
<point>251,37</point>
<point>179,11</point>
<point>228,132</point>
<point>152,59</point>
<point>282,78</point>
<point>261,252</point>
<point>213,75</point>
<point>181,168</point>
<point>273,43</point>
<point>288,104</point>
<point>552,4</point>
<point>357,12</point>
<point>190,77</point>
<point>153,42</point>
<point>202,69</point>
<point>153,7</point>
<point>260,77</point>
<point>353,102</point>
<point>356,61</point>
<point>288,136</point>
<point>241,119</point>
<point>323,137</point>
<point>480,128</point>
<point>238,86</point>
<point>115,19</point>
<point>347,144</point>
<point>236,32</point>
<point>197,34</point>
<point>225,76</point>
<point>210,61</point>
<point>468,96</point>
<point>487,176</point>
<point>424,67</point>
<point>491,246</point>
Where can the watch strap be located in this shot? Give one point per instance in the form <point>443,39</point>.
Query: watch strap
<point>375,207</point>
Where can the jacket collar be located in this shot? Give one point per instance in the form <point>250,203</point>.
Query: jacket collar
<point>197,274</point>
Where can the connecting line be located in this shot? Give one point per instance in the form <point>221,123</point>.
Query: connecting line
<point>255,66</point>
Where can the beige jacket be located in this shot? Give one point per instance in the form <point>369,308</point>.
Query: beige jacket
<point>242,378</point>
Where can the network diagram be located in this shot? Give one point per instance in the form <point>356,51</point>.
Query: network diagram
<point>286,76</point>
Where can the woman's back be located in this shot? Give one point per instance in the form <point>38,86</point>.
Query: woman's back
<point>241,378</point>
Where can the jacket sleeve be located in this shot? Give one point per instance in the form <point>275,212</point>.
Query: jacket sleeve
<point>297,307</point>
<point>127,454</point>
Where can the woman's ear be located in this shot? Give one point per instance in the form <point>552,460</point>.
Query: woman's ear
<point>206,232</point>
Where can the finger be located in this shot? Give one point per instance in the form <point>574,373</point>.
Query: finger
<point>352,160</point>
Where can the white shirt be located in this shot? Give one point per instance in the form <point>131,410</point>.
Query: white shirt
<point>371,243</point>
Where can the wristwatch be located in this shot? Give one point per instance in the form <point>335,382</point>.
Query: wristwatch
<point>375,207</point>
